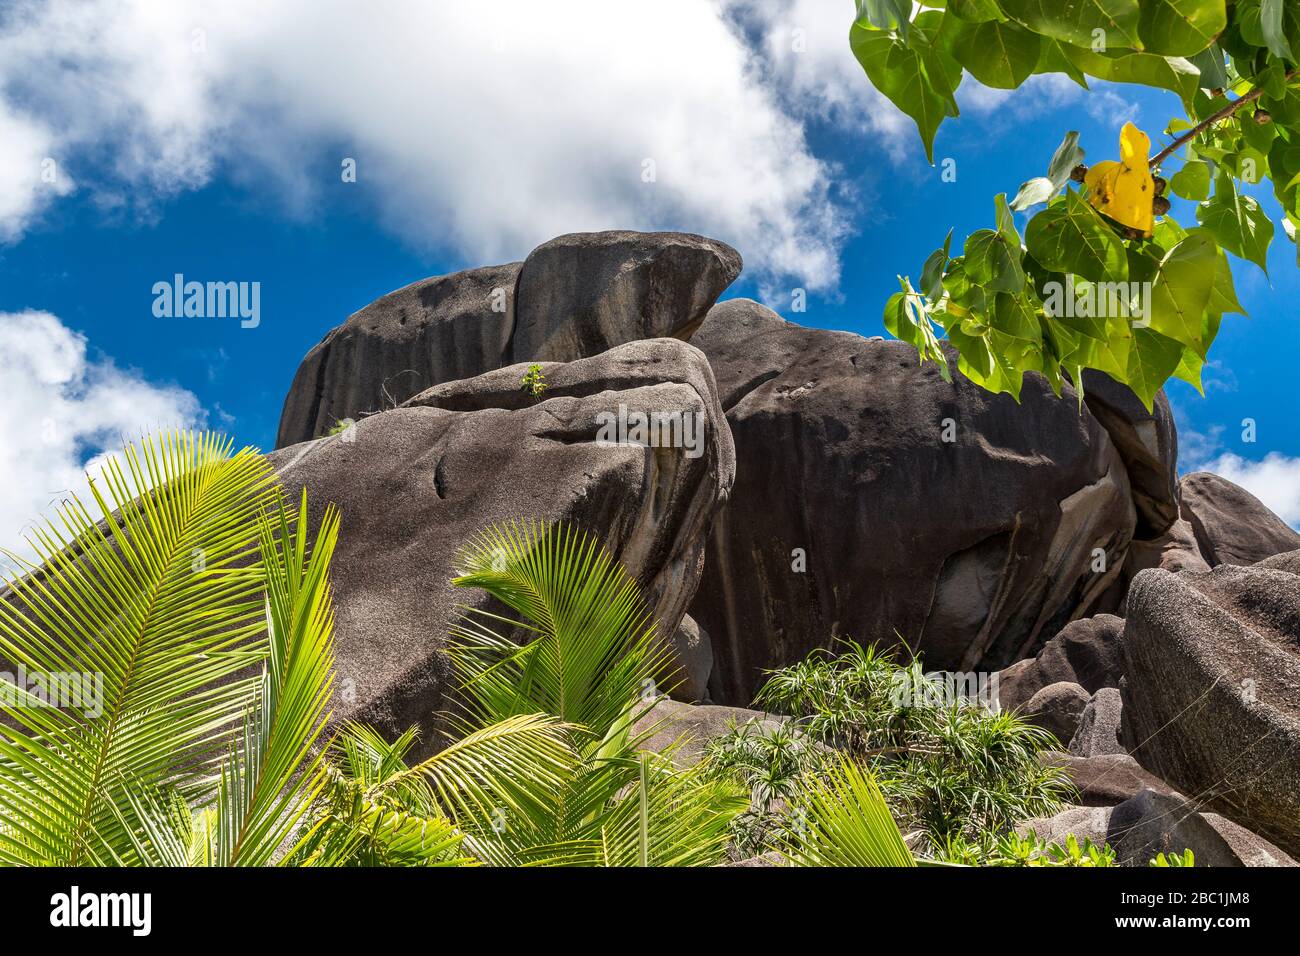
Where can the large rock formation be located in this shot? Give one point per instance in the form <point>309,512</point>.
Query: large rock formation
<point>681,486</point>
<point>1289,562</point>
<point>693,652</point>
<point>435,330</point>
<point>573,297</point>
<point>1231,525</point>
<point>1086,652</point>
<point>1101,729</point>
<point>1174,550</point>
<point>690,728</point>
<point>1057,708</point>
<point>874,500</point>
<point>1147,443</point>
<point>1151,823</point>
<point>586,292</point>
<point>416,482</point>
<point>1212,690</point>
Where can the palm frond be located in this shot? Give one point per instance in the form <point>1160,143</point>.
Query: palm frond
<point>498,781</point>
<point>589,643</point>
<point>372,834</point>
<point>501,777</point>
<point>155,599</point>
<point>841,820</point>
<point>651,813</point>
<point>271,777</point>
<point>159,827</point>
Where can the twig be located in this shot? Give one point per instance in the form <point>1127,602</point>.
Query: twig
<point>1209,121</point>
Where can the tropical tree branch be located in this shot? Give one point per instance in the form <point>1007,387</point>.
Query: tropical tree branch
<point>1209,121</point>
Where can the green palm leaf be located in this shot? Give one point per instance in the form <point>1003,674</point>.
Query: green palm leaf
<point>841,820</point>
<point>270,778</point>
<point>660,815</point>
<point>158,597</point>
<point>589,645</point>
<point>496,782</point>
<point>372,834</point>
<point>498,776</point>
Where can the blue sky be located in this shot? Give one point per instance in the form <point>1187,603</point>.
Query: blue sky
<point>229,170</point>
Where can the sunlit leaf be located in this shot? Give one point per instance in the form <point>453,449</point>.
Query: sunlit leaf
<point>1070,237</point>
<point>1237,222</point>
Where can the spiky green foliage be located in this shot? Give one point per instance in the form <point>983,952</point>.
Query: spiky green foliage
<point>589,647</point>
<point>155,589</point>
<point>776,763</point>
<point>260,797</point>
<point>1011,849</point>
<point>375,804</point>
<point>584,649</point>
<point>272,771</point>
<point>842,820</point>
<point>639,809</point>
<point>950,769</point>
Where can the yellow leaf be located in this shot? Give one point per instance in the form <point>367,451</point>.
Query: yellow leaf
<point>1124,190</point>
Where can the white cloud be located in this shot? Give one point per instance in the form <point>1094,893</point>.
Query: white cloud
<point>61,411</point>
<point>28,173</point>
<point>1045,93</point>
<point>803,51</point>
<point>478,128</point>
<point>1274,480</point>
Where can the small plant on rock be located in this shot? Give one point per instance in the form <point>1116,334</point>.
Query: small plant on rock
<point>533,381</point>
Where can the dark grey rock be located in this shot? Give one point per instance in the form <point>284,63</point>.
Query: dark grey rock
<point>694,657</point>
<point>1086,652</point>
<point>1147,443</point>
<point>1174,550</point>
<point>573,297</point>
<point>1232,526</point>
<point>1289,562</point>
<point>971,552</point>
<point>1108,779</point>
<point>435,330</point>
<point>416,483</point>
<point>1083,823</point>
<point>1212,664</point>
<point>1100,726</point>
<point>694,725</point>
<point>1153,823</point>
<point>586,292</point>
<point>1057,708</point>
<point>1150,823</point>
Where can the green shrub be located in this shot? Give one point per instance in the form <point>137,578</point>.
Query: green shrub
<point>952,771</point>
<point>1010,849</point>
